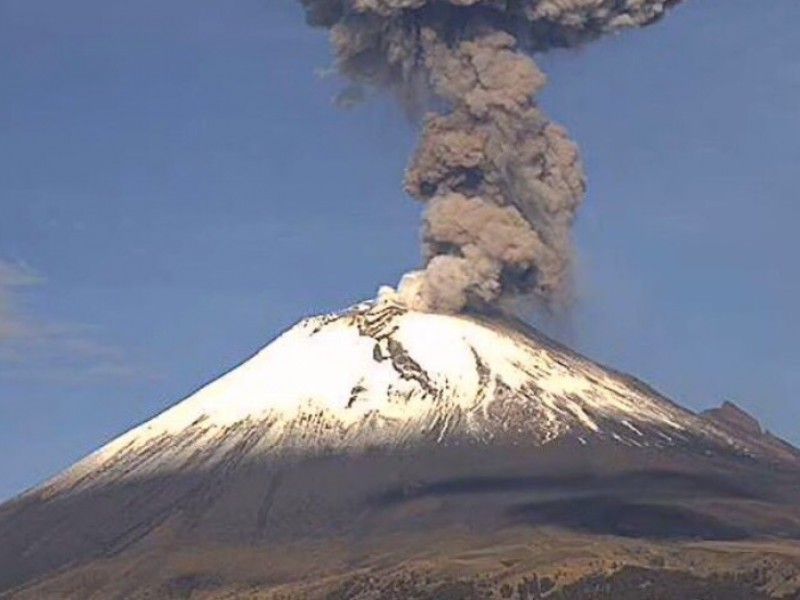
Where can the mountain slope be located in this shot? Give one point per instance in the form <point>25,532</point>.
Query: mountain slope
<point>377,422</point>
<point>381,375</point>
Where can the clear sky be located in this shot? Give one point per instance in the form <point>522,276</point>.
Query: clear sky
<point>176,188</point>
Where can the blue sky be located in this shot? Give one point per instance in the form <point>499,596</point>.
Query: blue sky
<point>176,188</point>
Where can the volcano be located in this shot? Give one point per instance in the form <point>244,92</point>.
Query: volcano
<point>379,446</point>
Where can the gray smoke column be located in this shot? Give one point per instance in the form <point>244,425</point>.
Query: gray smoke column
<point>501,182</point>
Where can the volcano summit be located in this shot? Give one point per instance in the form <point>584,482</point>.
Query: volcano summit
<point>381,431</point>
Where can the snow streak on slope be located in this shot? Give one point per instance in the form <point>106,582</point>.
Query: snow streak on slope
<point>380,375</point>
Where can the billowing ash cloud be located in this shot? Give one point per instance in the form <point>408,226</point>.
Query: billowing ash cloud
<point>501,182</point>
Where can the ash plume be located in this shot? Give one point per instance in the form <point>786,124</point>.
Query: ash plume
<point>501,182</point>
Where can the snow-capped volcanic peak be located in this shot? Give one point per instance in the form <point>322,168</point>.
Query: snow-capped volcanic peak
<point>381,375</point>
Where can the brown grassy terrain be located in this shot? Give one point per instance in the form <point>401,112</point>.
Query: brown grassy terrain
<point>512,563</point>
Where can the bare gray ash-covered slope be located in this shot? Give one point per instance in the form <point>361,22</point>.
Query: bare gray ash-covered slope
<point>386,432</point>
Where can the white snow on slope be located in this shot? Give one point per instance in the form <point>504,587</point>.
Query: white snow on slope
<point>378,374</point>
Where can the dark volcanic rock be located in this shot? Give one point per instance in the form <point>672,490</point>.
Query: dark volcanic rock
<point>735,418</point>
<point>747,430</point>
